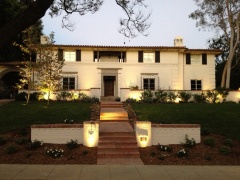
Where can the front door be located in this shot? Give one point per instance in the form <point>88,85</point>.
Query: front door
<point>109,85</point>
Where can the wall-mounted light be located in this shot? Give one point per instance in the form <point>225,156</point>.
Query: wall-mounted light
<point>91,132</point>
<point>143,138</point>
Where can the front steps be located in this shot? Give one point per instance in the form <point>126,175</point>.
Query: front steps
<point>113,111</point>
<point>117,144</point>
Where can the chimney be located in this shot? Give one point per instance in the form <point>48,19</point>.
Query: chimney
<point>178,41</point>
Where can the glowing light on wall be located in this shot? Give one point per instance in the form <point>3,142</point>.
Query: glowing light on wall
<point>90,133</point>
<point>143,133</point>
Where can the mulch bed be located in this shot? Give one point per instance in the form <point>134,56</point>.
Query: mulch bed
<point>200,154</point>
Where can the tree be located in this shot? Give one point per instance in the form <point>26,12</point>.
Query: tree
<point>49,68</point>
<point>221,43</point>
<point>222,15</point>
<point>31,38</point>
<point>35,9</point>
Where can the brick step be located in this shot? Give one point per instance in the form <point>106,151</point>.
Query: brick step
<point>119,161</point>
<point>113,116</point>
<point>111,106</point>
<point>118,138</point>
<point>108,143</point>
<point>118,154</point>
<point>117,134</point>
<point>118,147</point>
<point>114,119</point>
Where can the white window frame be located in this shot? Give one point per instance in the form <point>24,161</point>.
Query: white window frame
<point>148,57</point>
<point>70,56</point>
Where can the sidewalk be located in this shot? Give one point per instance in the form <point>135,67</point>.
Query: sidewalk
<point>111,172</point>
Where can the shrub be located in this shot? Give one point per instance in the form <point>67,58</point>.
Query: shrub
<point>54,153</point>
<point>184,96</point>
<point>85,152</point>
<point>199,98</point>
<point>72,144</point>
<point>21,141</point>
<point>161,96</point>
<point>209,141</point>
<point>182,153</point>
<point>147,96</point>
<point>3,140</point>
<point>21,96</point>
<point>131,100</point>
<point>35,96</point>
<point>171,96</point>
<point>34,144</point>
<point>225,150</point>
<point>228,142</point>
<point>189,142</point>
<point>11,149</point>
<point>152,153</point>
<point>164,148</point>
<point>208,157</point>
<point>161,157</point>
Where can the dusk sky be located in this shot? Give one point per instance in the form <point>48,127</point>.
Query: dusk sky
<point>169,19</point>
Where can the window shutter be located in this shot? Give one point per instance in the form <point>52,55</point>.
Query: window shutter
<point>188,58</point>
<point>204,58</point>
<point>157,56</point>
<point>78,55</point>
<point>94,56</point>
<point>60,54</point>
<point>140,56</point>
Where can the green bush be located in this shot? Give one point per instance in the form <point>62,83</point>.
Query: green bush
<point>147,96</point>
<point>11,149</point>
<point>72,144</point>
<point>21,141</point>
<point>131,100</point>
<point>189,142</point>
<point>21,96</point>
<point>161,96</point>
<point>3,140</point>
<point>209,141</point>
<point>225,150</point>
<point>34,145</point>
<point>199,98</point>
<point>161,157</point>
<point>171,96</point>
<point>184,96</point>
<point>228,142</point>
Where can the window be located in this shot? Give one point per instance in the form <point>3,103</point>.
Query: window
<point>195,59</point>
<point>196,84</point>
<point>70,56</point>
<point>68,83</point>
<point>148,58</point>
<point>204,58</point>
<point>149,83</point>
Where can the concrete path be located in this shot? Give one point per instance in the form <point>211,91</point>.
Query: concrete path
<point>112,172</point>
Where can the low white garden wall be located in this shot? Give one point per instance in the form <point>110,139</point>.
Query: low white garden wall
<point>86,134</point>
<point>148,134</point>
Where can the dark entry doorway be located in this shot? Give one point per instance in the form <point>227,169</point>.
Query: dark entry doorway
<point>109,85</point>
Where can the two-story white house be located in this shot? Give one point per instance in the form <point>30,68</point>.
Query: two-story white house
<point>112,68</point>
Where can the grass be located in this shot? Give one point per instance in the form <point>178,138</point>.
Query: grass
<point>222,119</point>
<point>19,115</point>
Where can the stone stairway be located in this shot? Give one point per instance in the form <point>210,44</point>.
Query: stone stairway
<point>117,142</point>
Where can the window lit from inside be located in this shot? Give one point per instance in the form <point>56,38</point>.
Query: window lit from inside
<point>149,84</point>
<point>196,84</point>
<point>148,58</point>
<point>70,56</point>
<point>68,83</point>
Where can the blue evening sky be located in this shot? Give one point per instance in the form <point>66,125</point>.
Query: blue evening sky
<point>169,19</point>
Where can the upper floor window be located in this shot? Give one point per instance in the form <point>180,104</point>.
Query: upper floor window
<point>196,59</point>
<point>70,56</point>
<point>148,58</point>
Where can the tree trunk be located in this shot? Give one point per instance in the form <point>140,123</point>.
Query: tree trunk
<point>224,73</point>
<point>30,15</point>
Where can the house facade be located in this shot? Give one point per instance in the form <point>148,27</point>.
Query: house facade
<point>112,68</point>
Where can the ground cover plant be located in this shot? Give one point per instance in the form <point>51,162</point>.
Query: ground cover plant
<point>18,115</point>
<point>221,118</point>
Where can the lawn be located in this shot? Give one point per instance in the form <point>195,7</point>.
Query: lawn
<point>19,115</point>
<point>222,119</point>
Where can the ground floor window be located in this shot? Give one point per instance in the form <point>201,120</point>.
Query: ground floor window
<point>196,84</point>
<point>149,83</point>
<point>68,83</point>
